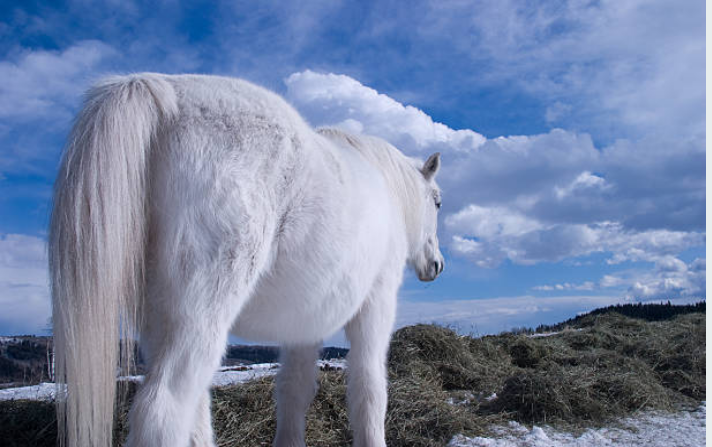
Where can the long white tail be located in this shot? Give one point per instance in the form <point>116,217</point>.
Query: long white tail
<point>97,240</point>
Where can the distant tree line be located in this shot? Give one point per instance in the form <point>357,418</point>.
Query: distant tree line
<point>24,361</point>
<point>237,354</point>
<point>647,312</point>
<point>27,360</point>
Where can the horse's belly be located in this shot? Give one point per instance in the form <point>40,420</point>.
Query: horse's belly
<point>297,312</point>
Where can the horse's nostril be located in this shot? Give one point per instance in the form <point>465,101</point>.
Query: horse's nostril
<point>438,267</point>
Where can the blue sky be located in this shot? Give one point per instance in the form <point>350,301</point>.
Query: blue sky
<point>572,132</point>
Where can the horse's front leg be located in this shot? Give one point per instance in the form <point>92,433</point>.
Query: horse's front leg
<point>296,388</point>
<point>369,333</point>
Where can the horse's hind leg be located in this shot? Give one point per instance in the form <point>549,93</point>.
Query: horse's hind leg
<point>188,316</point>
<point>202,435</point>
<point>296,387</point>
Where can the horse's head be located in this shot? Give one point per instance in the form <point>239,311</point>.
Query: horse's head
<point>425,256</point>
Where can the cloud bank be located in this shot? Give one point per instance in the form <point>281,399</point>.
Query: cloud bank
<point>24,284</point>
<point>338,100</point>
<point>46,84</point>
<point>541,198</point>
<point>630,68</point>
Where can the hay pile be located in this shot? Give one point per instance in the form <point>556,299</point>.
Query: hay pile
<point>611,367</point>
<point>244,414</point>
<point>442,384</point>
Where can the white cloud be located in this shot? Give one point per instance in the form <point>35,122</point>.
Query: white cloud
<point>341,101</point>
<point>670,279</point>
<point>586,181</point>
<point>556,112</point>
<point>585,286</point>
<point>490,222</point>
<point>609,281</point>
<point>48,84</point>
<point>502,233</point>
<point>24,284</point>
<point>651,245</point>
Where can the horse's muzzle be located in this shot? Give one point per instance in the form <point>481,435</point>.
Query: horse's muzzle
<point>434,269</point>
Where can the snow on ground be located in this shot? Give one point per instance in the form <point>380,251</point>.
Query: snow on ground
<point>226,375</point>
<point>648,429</point>
<point>230,377</point>
<point>43,391</point>
<point>549,334</point>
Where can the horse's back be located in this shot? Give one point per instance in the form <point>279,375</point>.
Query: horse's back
<point>201,96</point>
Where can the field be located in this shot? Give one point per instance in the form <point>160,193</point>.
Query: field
<point>594,369</point>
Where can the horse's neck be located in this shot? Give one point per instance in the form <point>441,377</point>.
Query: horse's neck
<point>403,187</point>
<point>395,169</point>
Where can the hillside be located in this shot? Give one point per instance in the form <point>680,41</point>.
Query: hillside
<point>647,312</point>
<point>443,384</point>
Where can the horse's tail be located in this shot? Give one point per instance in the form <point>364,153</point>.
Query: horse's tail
<point>97,240</point>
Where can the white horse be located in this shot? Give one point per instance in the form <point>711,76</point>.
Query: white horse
<point>191,207</point>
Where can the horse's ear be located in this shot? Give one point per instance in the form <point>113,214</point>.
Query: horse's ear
<point>431,166</point>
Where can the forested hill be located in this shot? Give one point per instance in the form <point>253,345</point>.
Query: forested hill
<point>647,312</point>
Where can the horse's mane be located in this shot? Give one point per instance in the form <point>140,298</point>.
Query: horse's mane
<point>401,173</point>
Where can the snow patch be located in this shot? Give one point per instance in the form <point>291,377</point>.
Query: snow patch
<point>256,371</point>
<point>226,375</point>
<point>549,334</point>
<point>649,429</point>
<point>43,391</point>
